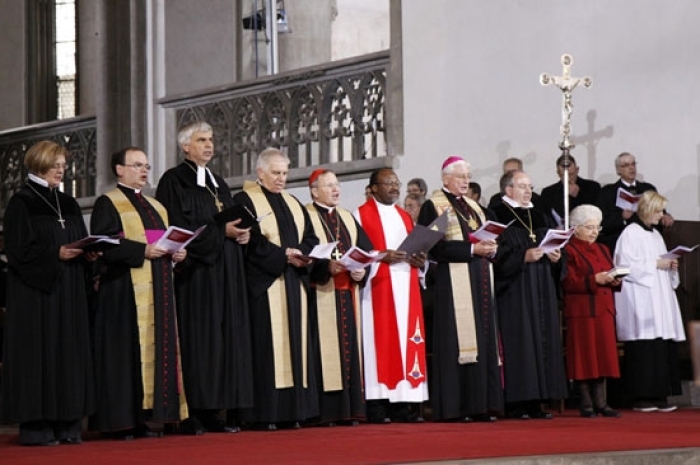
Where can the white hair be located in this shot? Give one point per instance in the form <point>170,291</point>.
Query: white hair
<point>584,213</point>
<point>184,136</point>
<point>449,169</point>
<point>266,156</point>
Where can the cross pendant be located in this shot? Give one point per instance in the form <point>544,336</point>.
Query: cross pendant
<point>533,237</point>
<point>219,205</point>
<point>63,223</point>
<point>336,254</point>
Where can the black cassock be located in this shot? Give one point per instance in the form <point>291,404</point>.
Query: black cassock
<point>528,312</point>
<point>265,262</point>
<point>212,306</point>
<point>458,390</point>
<point>348,403</point>
<point>47,367</point>
<point>117,349</point>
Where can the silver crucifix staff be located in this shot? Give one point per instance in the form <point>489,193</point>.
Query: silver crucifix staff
<point>566,84</point>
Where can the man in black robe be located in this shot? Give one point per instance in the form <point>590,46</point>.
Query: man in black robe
<point>465,381</point>
<point>581,191</point>
<point>615,219</point>
<point>136,343</point>
<point>335,317</point>
<point>278,285</point>
<point>528,313</point>
<point>212,306</point>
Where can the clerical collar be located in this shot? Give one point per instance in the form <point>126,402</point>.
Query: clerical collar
<point>202,172</point>
<point>513,203</point>
<point>136,191</point>
<point>38,180</point>
<point>629,184</point>
<point>451,194</point>
<point>325,207</point>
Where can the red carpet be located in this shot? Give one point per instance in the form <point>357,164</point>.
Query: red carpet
<point>379,444</point>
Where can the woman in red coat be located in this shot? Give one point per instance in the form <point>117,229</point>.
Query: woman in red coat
<point>589,308</point>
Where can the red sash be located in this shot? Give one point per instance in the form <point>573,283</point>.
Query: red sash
<point>390,369</point>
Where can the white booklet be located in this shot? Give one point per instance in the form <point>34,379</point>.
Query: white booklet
<point>626,200</point>
<point>175,238</point>
<point>678,251</point>
<point>489,231</point>
<point>555,239</point>
<point>320,251</point>
<point>356,258</point>
<point>619,272</point>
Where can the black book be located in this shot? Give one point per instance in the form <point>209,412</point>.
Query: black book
<point>239,210</point>
<point>95,243</point>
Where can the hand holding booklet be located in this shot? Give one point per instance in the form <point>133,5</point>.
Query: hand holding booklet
<point>239,211</point>
<point>555,239</point>
<point>356,258</point>
<point>626,200</point>
<point>175,239</point>
<point>619,272</point>
<point>679,251</point>
<point>94,243</point>
<point>489,231</point>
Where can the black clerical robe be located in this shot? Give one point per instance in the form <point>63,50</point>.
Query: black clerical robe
<point>284,369</point>
<point>528,313</point>
<point>125,398</point>
<point>460,388</point>
<point>47,367</point>
<point>553,195</point>
<point>212,306</point>
<point>335,318</point>
<point>613,224</point>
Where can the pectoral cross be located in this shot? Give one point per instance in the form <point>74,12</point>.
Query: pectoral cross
<point>63,223</point>
<point>336,254</point>
<point>219,205</point>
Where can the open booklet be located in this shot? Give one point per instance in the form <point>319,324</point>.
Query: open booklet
<point>353,259</point>
<point>626,200</point>
<point>94,243</point>
<point>679,251</point>
<point>175,238</point>
<point>489,231</point>
<point>555,239</point>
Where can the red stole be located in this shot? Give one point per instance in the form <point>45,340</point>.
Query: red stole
<point>390,369</point>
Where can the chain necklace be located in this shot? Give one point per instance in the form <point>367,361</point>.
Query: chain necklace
<point>214,193</point>
<point>471,222</point>
<point>58,204</point>
<point>532,235</point>
<point>336,252</point>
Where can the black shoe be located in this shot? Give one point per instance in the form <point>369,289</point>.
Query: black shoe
<point>539,415</point>
<point>220,426</point>
<point>587,412</point>
<point>518,414</point>
<point>192,426</point>
<point>72,441</point>
<point>484,418</point>
<point>607,412</point>
<point>466,419</point>
<point>52,442</point>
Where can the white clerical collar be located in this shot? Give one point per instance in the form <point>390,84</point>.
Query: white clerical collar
<point>325,207</point>
<point>515,204</point>
<point>137,191</point>
<point>38,180</point>
<point>202,172</point>
<point>629,184</point>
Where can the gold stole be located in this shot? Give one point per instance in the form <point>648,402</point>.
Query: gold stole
<point>142,281</point>
<point>276,293</point>
<point>461,287</point>
<point>326,307</point>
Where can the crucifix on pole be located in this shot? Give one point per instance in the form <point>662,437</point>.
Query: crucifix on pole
<point>566,84</point>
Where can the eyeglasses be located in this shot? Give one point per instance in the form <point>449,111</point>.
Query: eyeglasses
<point>591,227</point>
<point>524,186</point>
<point>139,166</point>
<point>59,166</point>
<point>627,165</point>
<point>390,184</point>
<point>465,177</point>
